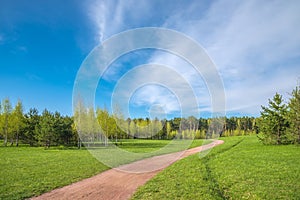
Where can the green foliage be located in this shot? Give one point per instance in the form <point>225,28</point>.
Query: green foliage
<point>31,122</point>
<point>241,168</point>
<point>6,122</point>
<point>294,115</point>
<point>280,123</point>
<point>34,129</point>
<point>90,129</point>
<point>19,121</point>
<point>274,122</point>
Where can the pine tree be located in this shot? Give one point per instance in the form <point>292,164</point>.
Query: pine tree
<point>274,122</point>
<point>46,132</point>
<point>32,119</point>
<point>294,115</point>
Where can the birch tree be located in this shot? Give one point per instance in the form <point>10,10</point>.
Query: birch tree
<point>18,120</point>
<point>6,119</point>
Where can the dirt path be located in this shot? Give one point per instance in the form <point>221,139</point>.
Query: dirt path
<point>121,182</point>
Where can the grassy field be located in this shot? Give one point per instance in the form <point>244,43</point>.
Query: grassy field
<point>129,151</point>
<point>30,171</point>
<point>241,168</point>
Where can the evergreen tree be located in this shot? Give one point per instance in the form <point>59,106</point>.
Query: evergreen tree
<point>294,115</point>
<point>46,131</point>
<point>273,123</point>
<point>31,127</point>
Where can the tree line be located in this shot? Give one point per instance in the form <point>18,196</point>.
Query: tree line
<point>33,128</point>
<point>279,123</point>
<point>53,129</point>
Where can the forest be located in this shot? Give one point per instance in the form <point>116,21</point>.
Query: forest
<point>279,123</point>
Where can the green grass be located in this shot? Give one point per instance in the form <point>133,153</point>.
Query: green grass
<point>30,171</point>
<point>241,168</point>
<point>27,171</point>
<point>145,146</point>
<point>131,150</point>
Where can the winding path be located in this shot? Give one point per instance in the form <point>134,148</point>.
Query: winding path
<point>121,182</point>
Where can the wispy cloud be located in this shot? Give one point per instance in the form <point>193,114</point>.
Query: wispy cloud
<point>101,12</point>
<point>255,44</point>
<point>256,51</point>
<point>33,77</point>
<point>111,17</point>
<point>156,95</point>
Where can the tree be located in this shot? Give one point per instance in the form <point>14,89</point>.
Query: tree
<point>58,128</point>
<point>104,122</point>
<point>6,119</point>
<point>18,120</point>
<point>132,128</point>
<point>273,123</point>
<point>168,130</point>
<point>294,115</point>
<point>46,132</point>
<point>67,133</point>
<point>79,121</point>
<point>216,127</point>
<point>1,121</point>
<point>31,126</point>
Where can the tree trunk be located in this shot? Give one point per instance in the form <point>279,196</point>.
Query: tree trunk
<point>17,139</point>
<point>278,135</point>
<point>5,139</point>
<point>79,143</point>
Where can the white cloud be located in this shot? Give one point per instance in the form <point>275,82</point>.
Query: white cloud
<point>254,51</point>
<point>112,17</point>
<point>151,95</point>
<point>187,73</point>
<point>154,84</point>
<point>255,45</point>
<point>106,16</point>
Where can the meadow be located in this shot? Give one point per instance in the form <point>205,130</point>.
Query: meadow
<point>30,171</point>
<point>241,168</point>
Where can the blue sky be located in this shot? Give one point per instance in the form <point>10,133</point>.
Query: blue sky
<point>255,46</point>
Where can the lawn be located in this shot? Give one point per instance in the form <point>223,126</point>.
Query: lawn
<point>128,151</point>
<point>30,171</point>
<point>241,168</point>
